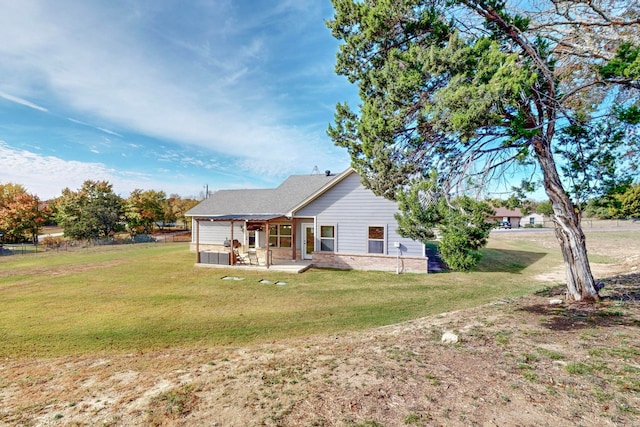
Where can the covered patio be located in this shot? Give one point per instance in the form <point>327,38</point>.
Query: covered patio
<point>251,245</point>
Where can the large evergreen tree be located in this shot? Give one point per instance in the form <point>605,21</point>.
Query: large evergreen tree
<point>475,88</point>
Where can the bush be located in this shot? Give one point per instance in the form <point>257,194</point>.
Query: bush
<point>53,242</point>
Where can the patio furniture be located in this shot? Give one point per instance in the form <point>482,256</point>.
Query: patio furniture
<point>253,257</point>
<point>239,259</point>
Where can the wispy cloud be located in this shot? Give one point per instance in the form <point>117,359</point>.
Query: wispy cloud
<point>93,58</point>
<point>235,90</point>
<point>22,102</point>
<point>101,129</point>
<point>110,132</point>
<point>48,175</point>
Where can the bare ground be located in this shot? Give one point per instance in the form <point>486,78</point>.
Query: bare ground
<point>520,362</point>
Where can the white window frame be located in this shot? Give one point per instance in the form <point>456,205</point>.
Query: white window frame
<point>383,240</point>
<point>334,239</point>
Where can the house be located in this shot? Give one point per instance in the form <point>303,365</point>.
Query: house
<point>532,220</point>
<point>511,216</point>
<point>332,220</point>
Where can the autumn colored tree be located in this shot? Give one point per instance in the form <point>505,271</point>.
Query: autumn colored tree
<point>477,89</point>
<point>22,215</point>
<point>177,207</point>
<point>144,209</point>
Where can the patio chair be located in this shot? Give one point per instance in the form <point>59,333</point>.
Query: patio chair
<point>253,257</point>
<point>240,259</point>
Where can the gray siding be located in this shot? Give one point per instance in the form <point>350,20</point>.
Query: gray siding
<point>216,232</point>
<point>352,208</point>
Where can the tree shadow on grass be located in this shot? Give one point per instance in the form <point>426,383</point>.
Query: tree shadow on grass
<point>619,306</point>
<point>507,261</point>
<point>623,287</point>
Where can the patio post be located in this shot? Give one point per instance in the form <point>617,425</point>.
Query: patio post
<point>197,240</point>
<point>266,255</point>
<point>231,248</point>
<point>294,231</point>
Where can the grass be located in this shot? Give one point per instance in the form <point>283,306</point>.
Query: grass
<point>143,297</point>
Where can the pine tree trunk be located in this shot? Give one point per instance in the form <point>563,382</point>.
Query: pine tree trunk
<point>580,282</point>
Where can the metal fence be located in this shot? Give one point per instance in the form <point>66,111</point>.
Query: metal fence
<point>59,244</point>
<point>588,223</point>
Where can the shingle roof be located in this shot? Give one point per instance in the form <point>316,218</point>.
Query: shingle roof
<point>272,201</point>
<point>512,213</point>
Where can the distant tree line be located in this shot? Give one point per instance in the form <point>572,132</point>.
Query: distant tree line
<point>90,212</point>
<point>621,202</point>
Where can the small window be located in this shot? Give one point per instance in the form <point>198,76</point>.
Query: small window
<point>327,238</point>
<point>532,221</point>
<point>376,240</point>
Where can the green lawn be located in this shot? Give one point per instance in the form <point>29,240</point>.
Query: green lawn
<point>141,297</point>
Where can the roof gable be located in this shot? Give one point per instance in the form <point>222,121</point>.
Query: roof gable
<point>321,191</point>
<point>280,200</point>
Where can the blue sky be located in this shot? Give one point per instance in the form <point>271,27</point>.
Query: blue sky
<point>166,95</point>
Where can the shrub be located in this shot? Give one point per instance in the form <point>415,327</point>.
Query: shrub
<point>53,242</point>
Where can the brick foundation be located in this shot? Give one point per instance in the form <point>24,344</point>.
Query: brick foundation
<point>339,261</point>
<point>369,262</point>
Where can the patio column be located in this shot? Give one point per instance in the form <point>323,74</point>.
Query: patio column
<point>232,258</point>
<point>266,254</point>
<point>294,234</point>
<point>197,240</point>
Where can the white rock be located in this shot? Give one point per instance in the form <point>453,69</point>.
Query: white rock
<point>555,301</point>
<point>449,338</point>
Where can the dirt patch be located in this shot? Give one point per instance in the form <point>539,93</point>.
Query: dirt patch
<point>518,362</point>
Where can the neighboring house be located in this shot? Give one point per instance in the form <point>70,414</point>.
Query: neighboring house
<point>512,216</point>
<point>332,220</point>
<point>533,219</point>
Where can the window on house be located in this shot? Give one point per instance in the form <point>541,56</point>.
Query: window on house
<point>280,235</point>
<point>376,240</point>
<point>327,238</point>
<point>285,236</point>
<point>532,221</point>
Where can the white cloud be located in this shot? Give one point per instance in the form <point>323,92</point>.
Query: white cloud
<point>104,60</point>
<point>22,102</point>
<point>80,122</point>
<point>48,175</point>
